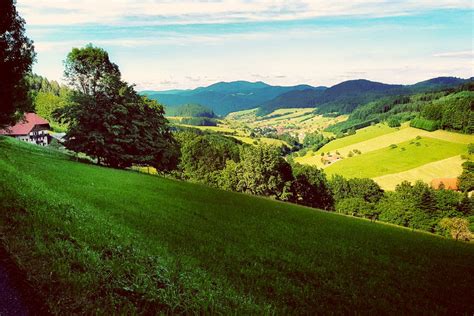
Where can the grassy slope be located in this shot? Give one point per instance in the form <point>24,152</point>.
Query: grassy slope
<point>386,161</point>
<point>361,135</point>
<point>446,168</point>
<point>99,240</point>
<point>378,138</point>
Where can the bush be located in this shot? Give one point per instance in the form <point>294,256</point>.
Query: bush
<point>355,207</point>
<point>393,122</point>
<point>427,125</point>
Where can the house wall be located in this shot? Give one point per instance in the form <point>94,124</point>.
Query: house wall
<point>38,136</point>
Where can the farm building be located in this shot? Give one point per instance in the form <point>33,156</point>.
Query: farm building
<point>330,159</point>
<point>446,183</point>
<point>32,129</point>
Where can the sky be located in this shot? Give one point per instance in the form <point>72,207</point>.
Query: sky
<point>167,44</point>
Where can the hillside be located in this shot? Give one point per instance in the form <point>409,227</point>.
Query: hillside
<point>391,155</point>
<point>98,240</point>
<point>224,97</point>
<point>293,99</point>
<point>348,95</point>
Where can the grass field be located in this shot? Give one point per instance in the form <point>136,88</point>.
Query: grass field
<point>375,140</point>
<point>361,135</point>
<point>446,168</point>
<point>406,156</point>
<point>101,241</point>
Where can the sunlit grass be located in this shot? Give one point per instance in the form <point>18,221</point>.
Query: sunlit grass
<point>94,240</point>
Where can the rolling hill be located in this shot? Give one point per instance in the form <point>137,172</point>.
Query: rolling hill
<point>98,240</point>
<point>225,97</point>
<point>416,154</point>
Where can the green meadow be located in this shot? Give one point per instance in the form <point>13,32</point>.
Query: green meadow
<point>361,135</point>
<point>404,156</point>
<point>94,240</point>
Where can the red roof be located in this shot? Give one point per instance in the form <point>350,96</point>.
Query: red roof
<point>25,126</point>
<point>448,183</point>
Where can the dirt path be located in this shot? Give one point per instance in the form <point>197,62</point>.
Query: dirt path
<point>16,295</point>
<point>11,302</point>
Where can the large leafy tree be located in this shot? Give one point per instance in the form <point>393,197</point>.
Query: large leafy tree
<point>16,57</point>
<point>204,155</point>
<point>311,187</point>
<point>261,171</point>
<point>109,121</point>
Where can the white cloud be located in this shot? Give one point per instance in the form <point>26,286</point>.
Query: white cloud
<point>460,54</point>
<point>145,12</point>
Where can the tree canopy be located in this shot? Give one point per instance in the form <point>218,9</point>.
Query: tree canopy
<point>16,58</point>
<point>109,121</point>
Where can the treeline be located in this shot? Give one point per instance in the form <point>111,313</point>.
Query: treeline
<point>48,96</point>
<point>190,110</point>
<point>416,206</point>
<point>198,121</point>
<point>453,112</point>
<point>225,163</point>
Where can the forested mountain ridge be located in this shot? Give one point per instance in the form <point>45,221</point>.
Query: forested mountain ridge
<point>225,97</point>
<point>346,96</point>
<point>448,108</point>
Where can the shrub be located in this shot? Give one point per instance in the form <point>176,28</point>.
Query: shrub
<point>393,122</point>
<point>428,125</point>
<point>457,227</point>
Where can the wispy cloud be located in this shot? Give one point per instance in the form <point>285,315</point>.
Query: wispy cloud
<point>188,43</point>
<point>161,12</point>
<point>460,54</point>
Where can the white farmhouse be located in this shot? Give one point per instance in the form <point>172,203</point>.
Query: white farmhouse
<point>33,129</point>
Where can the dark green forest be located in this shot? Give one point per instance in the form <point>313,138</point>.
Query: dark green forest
<point>451,109</point>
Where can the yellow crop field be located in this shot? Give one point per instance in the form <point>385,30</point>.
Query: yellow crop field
<point>446,168</point>
<point>381,136</point>
<point>405,156</point>
<point>452,137</point>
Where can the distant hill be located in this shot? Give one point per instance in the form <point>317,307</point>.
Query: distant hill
<point>348,95</point>
<point>224,97</point>
<point>292,99</point>
<point>438,83</point>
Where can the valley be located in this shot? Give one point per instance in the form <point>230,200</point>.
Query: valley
<point>418,155</point>
<point>236,157</point>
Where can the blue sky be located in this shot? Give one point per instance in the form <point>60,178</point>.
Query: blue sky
<point>185,44</point>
